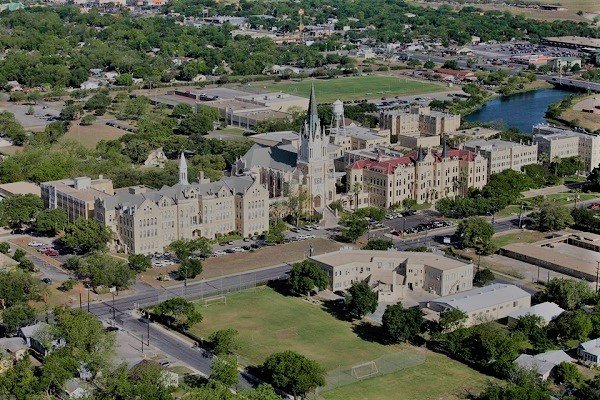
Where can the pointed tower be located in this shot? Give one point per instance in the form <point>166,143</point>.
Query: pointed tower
<point>420,154</point>
<point>313,144</point>
<point>183,170</point>
<point>444,148</point>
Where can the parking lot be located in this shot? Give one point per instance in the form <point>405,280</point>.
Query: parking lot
<point>411,223</point>
<point>43,114</point>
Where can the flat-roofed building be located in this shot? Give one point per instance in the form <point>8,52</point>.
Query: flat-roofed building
<point>484,304</point>
<point>558,143</point>
<point>572,42</point>
<point>573,253</point>
<point>502,154</point>
<point>76,196</point>
<point>418,121</point>
<point>547,311</point>
<point>477,132</point>
<point>276,101</point>
<point>392,272</point>
<point>16,188</point>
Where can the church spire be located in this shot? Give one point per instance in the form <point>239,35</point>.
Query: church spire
<point>313,114</point>
<point>444,148</point>
<point>420,154</point>
<point>183,170</point>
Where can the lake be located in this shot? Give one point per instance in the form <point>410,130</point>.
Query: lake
<point>520,111</point>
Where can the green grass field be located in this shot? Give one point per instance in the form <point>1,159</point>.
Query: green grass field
<point>439,378</point>
<point>269,322</point>
<point>353,88</point>
<point>501,240</point>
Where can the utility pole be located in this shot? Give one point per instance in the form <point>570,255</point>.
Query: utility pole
<point>80,304</point>
<point>113,307</point>
<point>521,215</point>
<point>597,275</point>
<point>148,326</point>
<point>88,296</point>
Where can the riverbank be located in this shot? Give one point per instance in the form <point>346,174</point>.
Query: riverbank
<point>575,115</point>
<point>529,87</point>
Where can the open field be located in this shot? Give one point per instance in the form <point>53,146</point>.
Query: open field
<point>503,239</point>
<point>268,322</point>
<point>353,88</point>
<point>439,378</point>
<point>89,136</point>
<point>586,120</point>
<point>572,6</point>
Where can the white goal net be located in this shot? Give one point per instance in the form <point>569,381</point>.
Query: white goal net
<point>215,300</point>
<point>365,370</point>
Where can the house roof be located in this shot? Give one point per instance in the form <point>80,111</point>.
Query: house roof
<point>281,158</point>
<point>483,297</point>
<point>30,330</point>
<point>12,344</point>
<point>544,362</point>
<point>591,346</point>
<point>388,166</point>
<point>548,311</point>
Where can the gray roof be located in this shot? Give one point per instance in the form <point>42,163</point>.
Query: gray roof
<point>13,344</point>
<point>591,346</point>
<point>548,311</point>
<point>281,158</point>
<point>276,136</point>
<point>30,330</point>
<point>483,297</point>
<point>544,362</point>
<point>235,184</point>
<point>492,144</point>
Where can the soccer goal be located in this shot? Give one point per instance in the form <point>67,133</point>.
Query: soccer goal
<point>364,370</point>
<point>215,300</point>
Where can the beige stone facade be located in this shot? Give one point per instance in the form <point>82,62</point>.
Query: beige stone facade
<point>559,143</point>
<point>76,196</point>
<point>145,220</point>
<point>391,273</point>
<point>502,154</point>
<point>419,121</point>
<point>423,176</point>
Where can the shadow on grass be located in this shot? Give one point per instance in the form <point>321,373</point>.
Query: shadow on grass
<point>369,332</point>
<point>337,309</point>
<point>281,287</point>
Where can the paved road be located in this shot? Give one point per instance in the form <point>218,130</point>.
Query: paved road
<point>570,82</point>
<point>124,315</point>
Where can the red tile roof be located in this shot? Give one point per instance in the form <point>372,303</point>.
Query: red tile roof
<point>389,166</point>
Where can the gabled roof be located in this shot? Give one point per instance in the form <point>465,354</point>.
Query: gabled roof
<point>388,166</point>
<point>543,363</point>
<point>547,311</point>
<point>483,297</point>
<point>591,346</point>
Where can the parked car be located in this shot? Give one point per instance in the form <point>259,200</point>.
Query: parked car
<point>35,244</point>
<point>50,252</point>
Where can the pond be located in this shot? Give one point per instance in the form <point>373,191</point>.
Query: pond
<point>520,111</point>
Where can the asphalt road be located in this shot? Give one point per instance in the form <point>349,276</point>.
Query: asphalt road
<point>123,311</point>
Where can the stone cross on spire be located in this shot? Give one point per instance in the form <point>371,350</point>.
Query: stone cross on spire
<point>183,170</point>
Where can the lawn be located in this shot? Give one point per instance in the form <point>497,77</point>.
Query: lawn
<point>501,240</point>
<point>566,198</point>
<point>353,88</point>
<point>439,378</point>
<point>89,136</point>
<point>269,322</point>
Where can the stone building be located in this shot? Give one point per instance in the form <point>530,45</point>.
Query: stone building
<point>425,176</point>
<point>556,143</point>
<point>503,154</point>
<point>145,220</point>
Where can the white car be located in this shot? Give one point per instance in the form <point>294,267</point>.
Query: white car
<point>310,236</point>
<point>35,244</point>
<point>219,253</point>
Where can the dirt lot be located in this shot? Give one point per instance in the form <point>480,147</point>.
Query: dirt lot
<point>241,262</point>
<point>89,136</point>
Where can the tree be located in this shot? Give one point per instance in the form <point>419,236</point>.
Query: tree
<point>189,268</point>
<point>182,110</point>
<point>26,264</point>
<point>593,179</point>
<point>293,373</point>
<point>354,227</point>
<point>409,204</point>
<point>483,277</point>
<point>147,382</point>
<point>139,262</point>
<point>199,123</point>
<point>18,210</point>
<point>17,287</point>
<point>429,64</point>
<point>572,325</point>
<point>185,248</point>
<point>475,232</point>
<point>567,374</point>
<point>401,324</point>
<point>86,235</point>
<point>102,269</point>
<point>4,247</point>
<point>566,292</point>
<point>305,276</point>
<point>451,319</point>
<point>552,216</point>
<point>276,232</point>
<point>451,64</point>
<point>224,341</point>
<point>19,254</point>
<point>297,203</point>
<point>533,326</point>
<point>50,222</point>
<point>363,299</point>
<point>224,370</point>
<point>262,392</point>
<point>177,312</point>
<point>379,244</point>
<point>17,316</point>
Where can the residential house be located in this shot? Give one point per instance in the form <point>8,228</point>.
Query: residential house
<point>547,311</point>
<point>589,352</point>
<point>543,364</point>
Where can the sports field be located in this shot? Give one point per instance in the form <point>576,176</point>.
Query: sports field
<point>353,88</point>
<point>269,322</point>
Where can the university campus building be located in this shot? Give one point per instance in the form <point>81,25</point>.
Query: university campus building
<point>146,220</point>
<point>425,176</point>
<point>390,273</point>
